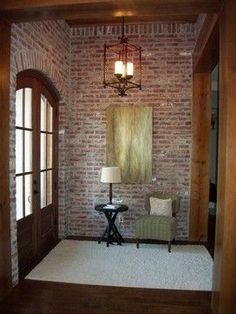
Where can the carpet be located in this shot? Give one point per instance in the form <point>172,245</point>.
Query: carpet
<point>187,267</point>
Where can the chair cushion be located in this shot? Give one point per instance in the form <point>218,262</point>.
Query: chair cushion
<point>163,195</point>
<point>155,227</point>
<point>161,206</point>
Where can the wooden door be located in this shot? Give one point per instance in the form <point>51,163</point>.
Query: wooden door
<point>36,170</point>
<point>46,169</point>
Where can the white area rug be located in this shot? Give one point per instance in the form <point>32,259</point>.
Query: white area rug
<point>187,267</point>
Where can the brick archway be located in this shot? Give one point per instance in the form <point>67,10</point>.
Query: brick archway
<point>23,58</point>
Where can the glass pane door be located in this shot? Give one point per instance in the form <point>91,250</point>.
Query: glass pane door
<point>36,162</point>
<point>46,152</point>
<point>23,152</point>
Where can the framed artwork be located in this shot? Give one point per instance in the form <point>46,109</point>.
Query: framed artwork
<point>129,142</point>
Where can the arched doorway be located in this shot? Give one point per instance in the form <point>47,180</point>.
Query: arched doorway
<point>36,168</point>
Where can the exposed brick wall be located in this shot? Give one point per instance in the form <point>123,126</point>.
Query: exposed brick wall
<point>50,47</point>
<point>167,83</point>
<point>44,47</point>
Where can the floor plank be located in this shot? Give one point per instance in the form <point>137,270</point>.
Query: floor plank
<point>32,296</point>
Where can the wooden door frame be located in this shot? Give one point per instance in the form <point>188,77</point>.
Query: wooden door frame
<point>200,168</point>
<point>5,244</point>
<point>224,272</point>
<point>205,58</point>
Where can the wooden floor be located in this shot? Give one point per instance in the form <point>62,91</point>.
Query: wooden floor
<point>33,297</point>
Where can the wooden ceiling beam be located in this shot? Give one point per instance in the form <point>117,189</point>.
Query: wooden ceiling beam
<point>206,52</point>
<point>201,6</point>
<point>36,4</point>
<point>30,10</point>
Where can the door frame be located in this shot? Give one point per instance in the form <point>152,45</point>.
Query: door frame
<point>205,58</point>
<point>5,236</point>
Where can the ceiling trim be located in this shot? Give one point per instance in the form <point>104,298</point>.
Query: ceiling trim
<point>182,19</point>
<point>95,11</point>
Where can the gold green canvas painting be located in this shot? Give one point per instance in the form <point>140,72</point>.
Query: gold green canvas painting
<point>129,142</point>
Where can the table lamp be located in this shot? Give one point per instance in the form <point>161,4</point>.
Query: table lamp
<point>110,175</point>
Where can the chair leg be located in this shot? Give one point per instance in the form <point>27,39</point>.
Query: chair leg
<point>137,243</point>
<point>169,246</point>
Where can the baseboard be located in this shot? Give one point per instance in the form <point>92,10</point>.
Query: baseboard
<point>132,240</point>
<point>82,238</point>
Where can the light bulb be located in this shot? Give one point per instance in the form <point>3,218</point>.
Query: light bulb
<point>123,71</point>
<point>119,68</point>
<point>130,69</point>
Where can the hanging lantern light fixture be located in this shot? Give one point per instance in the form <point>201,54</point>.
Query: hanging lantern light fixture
<point>122,65</point>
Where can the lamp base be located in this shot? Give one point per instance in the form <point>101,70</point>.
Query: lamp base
<point>110,193</point>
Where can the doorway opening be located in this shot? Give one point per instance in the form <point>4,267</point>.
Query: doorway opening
<point>213,159</point>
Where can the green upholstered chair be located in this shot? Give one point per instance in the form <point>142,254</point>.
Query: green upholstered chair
<point>153,227</point>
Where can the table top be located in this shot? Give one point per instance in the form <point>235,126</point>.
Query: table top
<point>119,208</point>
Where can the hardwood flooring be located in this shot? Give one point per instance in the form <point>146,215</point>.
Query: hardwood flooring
<point>34,297</point>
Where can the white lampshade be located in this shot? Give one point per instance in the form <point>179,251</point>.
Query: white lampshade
<point>110,175</point>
